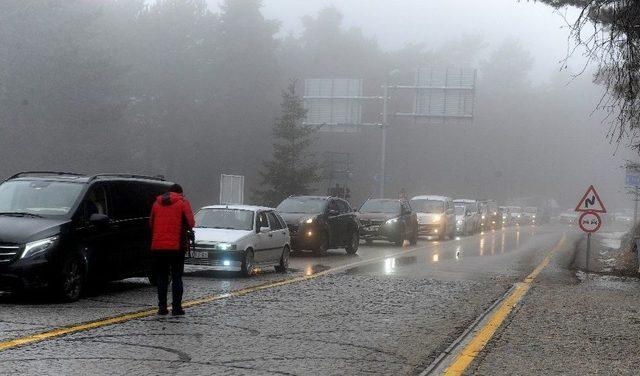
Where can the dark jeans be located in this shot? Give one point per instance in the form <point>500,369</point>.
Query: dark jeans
<point>165,262</point>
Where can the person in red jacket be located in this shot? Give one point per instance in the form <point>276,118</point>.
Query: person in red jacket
<point>171,220</point>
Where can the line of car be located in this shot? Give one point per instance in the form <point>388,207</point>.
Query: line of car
<point>66,231</point>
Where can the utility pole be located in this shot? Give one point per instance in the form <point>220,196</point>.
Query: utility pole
<point>383,150</point>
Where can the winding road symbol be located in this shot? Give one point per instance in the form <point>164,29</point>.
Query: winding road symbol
<point>591,202</point>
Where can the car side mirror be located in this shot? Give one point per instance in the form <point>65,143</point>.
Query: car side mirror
<point>333,213</point>
<point>98,219</point>
<point>264,230</point>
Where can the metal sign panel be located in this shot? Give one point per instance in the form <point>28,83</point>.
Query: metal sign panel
<point>591,202</point>
<point>333,103</point>
<point>590,222</point>
<point>632,177</point>
<point>231,189</point>
<point>445,94</point>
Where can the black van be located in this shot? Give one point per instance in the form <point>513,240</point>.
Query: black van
<point>63,230</point>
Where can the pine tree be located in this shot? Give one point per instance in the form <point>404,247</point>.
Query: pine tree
<point>291,171</point>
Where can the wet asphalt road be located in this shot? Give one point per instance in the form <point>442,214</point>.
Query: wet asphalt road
<point>393,315</point>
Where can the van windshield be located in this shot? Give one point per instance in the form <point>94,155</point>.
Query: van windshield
<point>38,197</point>
<point>427,206</point>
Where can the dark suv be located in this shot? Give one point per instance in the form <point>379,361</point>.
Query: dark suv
<point>388,219</point>
<point>62,230</point>
<point>318,223</point>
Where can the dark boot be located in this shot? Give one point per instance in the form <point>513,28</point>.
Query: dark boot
<point>177,311</point>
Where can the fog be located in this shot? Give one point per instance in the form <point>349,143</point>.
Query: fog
<point>191,89</point>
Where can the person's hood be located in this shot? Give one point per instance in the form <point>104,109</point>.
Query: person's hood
<point>21,230</point>
<point>169,198</point>
<point>218,235</point>
<point>295,218</point>
<point>376,216</point>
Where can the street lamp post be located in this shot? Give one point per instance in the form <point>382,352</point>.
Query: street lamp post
<point>383,150</point>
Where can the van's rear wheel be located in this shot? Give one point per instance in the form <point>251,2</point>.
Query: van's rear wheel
<point>71,281</point>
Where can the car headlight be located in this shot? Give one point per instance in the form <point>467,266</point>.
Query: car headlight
<point>226,247</point>
<point>392,221</point>
<point>459,221</point>
<point>308,220</point>
<point>483,216</point>
<point>39,246</point>
<point>533,216</point>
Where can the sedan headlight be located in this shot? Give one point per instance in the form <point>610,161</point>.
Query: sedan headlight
<point>226,247</point>
<point>392,221</point>
<point>39,246</point>
<point>460,221</point>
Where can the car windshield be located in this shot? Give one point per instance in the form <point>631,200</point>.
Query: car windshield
<point>427,206</point>
<point>530,210</point>
<point>230,219</point>
<point>515,209</point>
<point>381,206</point>
<point>38,197</point>
<point>459,209</point>
<point>303,205</point>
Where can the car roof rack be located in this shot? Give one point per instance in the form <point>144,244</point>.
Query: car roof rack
<point>128,176</point>
<point>56,173</point>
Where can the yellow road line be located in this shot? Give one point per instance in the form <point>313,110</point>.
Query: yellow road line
<point>482,337</point>
<point>74,328</point>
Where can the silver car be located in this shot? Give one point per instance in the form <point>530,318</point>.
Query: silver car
<point>470,219</point>
<point>240,238</point>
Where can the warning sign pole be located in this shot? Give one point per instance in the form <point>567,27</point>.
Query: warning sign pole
<point>588,251</point>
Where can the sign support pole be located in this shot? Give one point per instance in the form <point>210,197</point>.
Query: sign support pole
<point>588,251</point>
<point>635,210</point>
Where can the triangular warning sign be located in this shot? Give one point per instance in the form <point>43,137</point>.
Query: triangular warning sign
<point>591,202</point>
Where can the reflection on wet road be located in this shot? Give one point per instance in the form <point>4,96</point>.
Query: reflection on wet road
<point>460,249</point>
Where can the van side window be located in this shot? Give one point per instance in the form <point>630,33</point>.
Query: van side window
<point>129,201</point>
<point>96,202</point>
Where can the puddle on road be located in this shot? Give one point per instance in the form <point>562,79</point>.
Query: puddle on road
<point>489,243</point>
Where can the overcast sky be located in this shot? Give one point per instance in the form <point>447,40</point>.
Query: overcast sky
<point>394,23</point>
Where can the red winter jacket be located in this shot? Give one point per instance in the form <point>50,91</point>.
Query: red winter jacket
<point>171,217</point>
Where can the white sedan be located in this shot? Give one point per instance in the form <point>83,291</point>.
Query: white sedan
<point>240,238</point>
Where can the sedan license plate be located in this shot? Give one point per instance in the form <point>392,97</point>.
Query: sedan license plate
<point>200,254</point>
